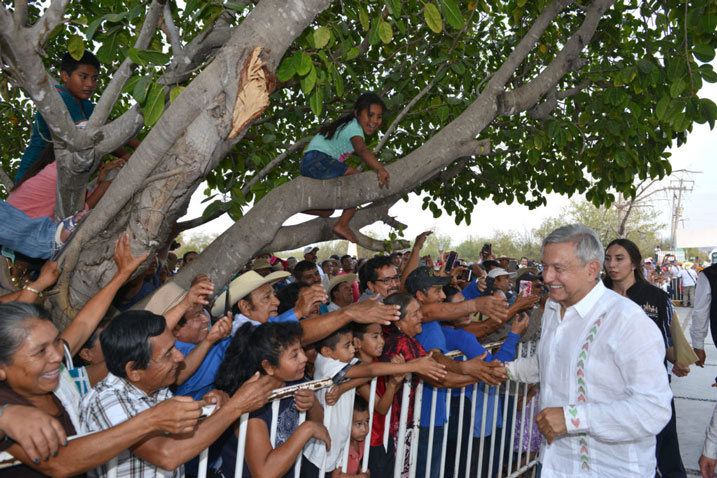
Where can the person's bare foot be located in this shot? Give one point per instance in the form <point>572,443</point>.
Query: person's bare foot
<point>344,231</point>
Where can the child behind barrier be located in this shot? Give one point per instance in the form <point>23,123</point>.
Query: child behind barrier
<point>270,349</point>
<point>336,360</point>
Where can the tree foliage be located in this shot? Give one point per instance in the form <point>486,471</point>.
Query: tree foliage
<point>499,99</point>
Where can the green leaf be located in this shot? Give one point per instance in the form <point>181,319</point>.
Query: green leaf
<point>308,82</point>
<point>521,3</point>
<point>363,18</point>
<point>107,52</point>
<point>286,70</point>
<point>141,87</point>
<point>352,53</point>
<point>154,107</point>
<point>394,7</point>
<point>338,81</point>
<point>458,68</point>
<point>661,107</point>
<point>76,47</point>
<point>677,88</point>
<point>317,102</point>
<point>709,110</point>
<point>175,92</point>
<point>153,57</point>
<point>215,207</point>
<point>133,55</point>
<point>115,17</point>
<point>302,63</point>
<point>646,66</point>
<point>322,35</point>
<point>130,84</point>
<point>433,17</point>
<point>92,28</point>
<point>385,32</point>
<point>703,52</point>
<point>453,14</point>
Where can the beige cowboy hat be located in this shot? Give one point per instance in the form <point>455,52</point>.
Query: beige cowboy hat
<point>261,263</point>
<point>336,280</point>
<point>242,286</point>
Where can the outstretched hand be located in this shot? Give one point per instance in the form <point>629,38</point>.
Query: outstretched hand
<point>492,306</point>
<point>491,373</point>
<point>427,366</point>
<point>199,291</point>
<point>520,323</point>
<point>370,311</point>
<point>126,262</point>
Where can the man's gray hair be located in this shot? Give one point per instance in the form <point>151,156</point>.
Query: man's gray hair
<point>587,243</point>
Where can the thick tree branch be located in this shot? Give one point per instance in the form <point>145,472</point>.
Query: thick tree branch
<point>119,78</point>
<point>191,137</point>
<point>566,60</point>
<point>20,13</point>
<point>54,15</point>
<point>502,76</point>
<point>197,51</point>
<point>119,131</point>
<point>319,229</point>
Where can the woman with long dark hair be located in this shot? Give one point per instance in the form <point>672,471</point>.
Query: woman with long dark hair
<point>624,275</point>
<point>270,349</point>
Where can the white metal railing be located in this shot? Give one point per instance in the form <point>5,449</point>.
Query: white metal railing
<point>502,442</point>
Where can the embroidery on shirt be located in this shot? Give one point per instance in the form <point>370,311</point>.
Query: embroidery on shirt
<point>582,393</point>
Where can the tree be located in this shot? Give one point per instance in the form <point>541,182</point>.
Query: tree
<point>641,225</point>
<point>505,99</point>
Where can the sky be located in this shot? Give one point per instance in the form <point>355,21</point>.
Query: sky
<point>698,205</point>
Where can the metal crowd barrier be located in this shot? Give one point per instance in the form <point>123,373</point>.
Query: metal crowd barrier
<point>510,463</point>
<point>676,284</point>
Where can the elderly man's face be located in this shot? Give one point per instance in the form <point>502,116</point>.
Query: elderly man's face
<point>163,366</point>
<point>566,277</point>
<point>343,294</point>
<point>264,304</point>
<point>387,283</point>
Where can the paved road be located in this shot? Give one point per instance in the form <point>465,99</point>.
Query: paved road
<point>694,400</point>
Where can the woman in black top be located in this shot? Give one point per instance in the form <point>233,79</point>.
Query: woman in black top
<point>624,275</point>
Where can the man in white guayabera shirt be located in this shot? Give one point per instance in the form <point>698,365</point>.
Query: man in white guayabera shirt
<point>604,393</point>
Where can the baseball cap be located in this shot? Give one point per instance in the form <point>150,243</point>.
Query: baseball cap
<point>424,277</point>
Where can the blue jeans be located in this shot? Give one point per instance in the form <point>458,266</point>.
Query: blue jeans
<point>423,452</point>
<point>318,165</point>
<point>34,237</point>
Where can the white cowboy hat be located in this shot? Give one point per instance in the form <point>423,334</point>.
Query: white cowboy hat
<point>242,286</point>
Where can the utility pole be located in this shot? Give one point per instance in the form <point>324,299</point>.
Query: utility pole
<point>678,187</point>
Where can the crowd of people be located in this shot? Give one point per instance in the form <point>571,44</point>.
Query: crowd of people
<point>158,385</point>
<point>152,384</point>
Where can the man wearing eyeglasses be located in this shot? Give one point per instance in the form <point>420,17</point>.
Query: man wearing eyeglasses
<point>379,277</point>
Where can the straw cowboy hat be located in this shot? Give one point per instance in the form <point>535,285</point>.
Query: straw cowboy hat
<point>336,280</point>
<point>242,286</point>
